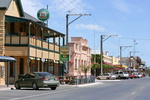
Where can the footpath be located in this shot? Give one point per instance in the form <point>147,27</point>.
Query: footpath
<point>11,87</point>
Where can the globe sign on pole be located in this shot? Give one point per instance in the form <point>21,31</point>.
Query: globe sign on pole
<point>43,14</point>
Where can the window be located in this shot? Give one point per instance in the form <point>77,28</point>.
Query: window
<point>84,63</point>
<point>75,63</point>
<point>21,70</point>
<point>43,74</point>
<point>78,63</point>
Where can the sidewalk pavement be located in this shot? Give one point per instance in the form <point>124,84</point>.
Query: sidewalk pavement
<point>4,87</point>
<point>11,87</point>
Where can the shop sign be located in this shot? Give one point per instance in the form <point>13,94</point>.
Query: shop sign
<point>43,14</point>
<point>64,53</point>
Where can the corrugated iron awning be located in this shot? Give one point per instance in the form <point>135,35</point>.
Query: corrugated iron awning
<point>7,59</point>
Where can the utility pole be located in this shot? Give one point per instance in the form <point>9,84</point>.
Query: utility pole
<point>101,40</point>
<point>133,52</point>
<point>67,24</point>
<point>94,56</point>
<point>121,54</point>
<point>47,20</point>
<point>134,48</point>
<point>101,54</point>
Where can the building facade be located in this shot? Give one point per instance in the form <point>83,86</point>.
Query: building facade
<point>35,46</point>
<point>80,55</point>
<point>107,58</point>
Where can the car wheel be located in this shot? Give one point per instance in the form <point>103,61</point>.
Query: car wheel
<point>17,86</point>
<point>35,86</point>
<point>53,88</point>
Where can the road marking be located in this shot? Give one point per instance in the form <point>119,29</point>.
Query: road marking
<point>107,80</point>
<point>142,87</point>
<point>133,93</point>
<point>86,85</point>
<point>40,95</point>
<point>55,92</point>
<point>43,94</point>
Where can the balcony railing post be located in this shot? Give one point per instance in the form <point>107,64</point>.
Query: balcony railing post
<point>29,49</point>
<point>54,56</point>
<point>59,58</point>
<point>36,49</point>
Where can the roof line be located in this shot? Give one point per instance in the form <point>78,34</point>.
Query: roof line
<point>28,20</point>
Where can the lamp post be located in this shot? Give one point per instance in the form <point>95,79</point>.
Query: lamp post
<point>102,37</point>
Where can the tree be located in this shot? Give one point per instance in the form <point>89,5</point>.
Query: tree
<point>107,68</point>
<point>98,58</point>
<point>85,69</point>
<point>95,67</point>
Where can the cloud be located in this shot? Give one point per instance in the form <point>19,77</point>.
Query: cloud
<point>63,6</point>
<point>121,5</point>
<point>90,27</point>
<point>31,6</point>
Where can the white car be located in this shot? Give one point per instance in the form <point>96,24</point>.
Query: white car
<point>139,75</point>
<point>122,75</point>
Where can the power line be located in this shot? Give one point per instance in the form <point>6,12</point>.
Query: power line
<point>131,38</point>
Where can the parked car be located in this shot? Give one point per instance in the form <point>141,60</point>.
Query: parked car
<point>107,76</point>
<point>139,75</point>
<point>122,75</point>
<point>142,74</point>
<point>132,75</point>
<point>37,80</point>
<point>136,75</point>
<point>112,76</point>
<point>103,77</point>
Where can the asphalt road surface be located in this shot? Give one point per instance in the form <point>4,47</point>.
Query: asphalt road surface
<point>132,89</point>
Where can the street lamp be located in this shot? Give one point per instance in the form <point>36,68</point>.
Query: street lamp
<point>102,37</point>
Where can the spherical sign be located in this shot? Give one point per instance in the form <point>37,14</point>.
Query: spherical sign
<point>43,14</point>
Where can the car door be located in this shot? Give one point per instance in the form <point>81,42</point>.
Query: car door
<point>27,80</point>
<point>30,80</point>
<point>23,80</point>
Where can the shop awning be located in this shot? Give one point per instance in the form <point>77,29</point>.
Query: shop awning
<point>7,59</point>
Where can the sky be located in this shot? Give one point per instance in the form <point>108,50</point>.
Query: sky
<point>128,19</point>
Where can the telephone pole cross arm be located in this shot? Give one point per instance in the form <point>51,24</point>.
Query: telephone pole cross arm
<point>68,23</point>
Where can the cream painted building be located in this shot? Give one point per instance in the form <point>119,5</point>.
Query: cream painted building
<point>34,46</point>
<point>107,58</point>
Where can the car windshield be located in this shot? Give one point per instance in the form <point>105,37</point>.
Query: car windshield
<point>125,72</point>
<point>43,74</point>
<point>112,74</point>
<point>106,74</point>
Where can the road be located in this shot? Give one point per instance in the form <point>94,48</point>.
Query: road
<point>132,89</point>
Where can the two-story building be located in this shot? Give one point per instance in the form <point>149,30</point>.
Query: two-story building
<point>80,54</point>
<point>35,46</point>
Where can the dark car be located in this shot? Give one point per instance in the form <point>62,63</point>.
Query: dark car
<point>37,80</point>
